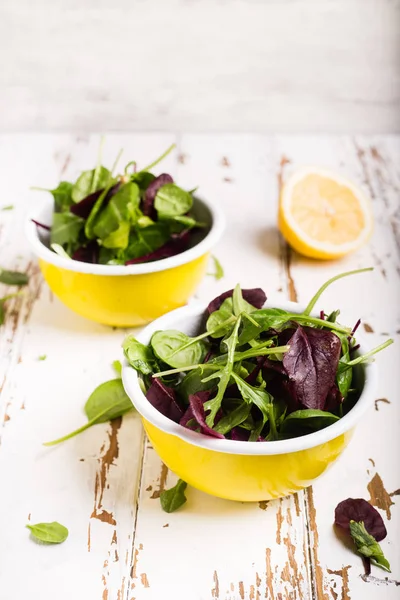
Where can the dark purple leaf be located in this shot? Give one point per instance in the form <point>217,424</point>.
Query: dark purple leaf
<point>87,254</point>
<point>358,509</point>
<point>171,248</point>
<point>84,207</point>
<point>197,405</point>
<point>273,365</point>
<point>42,225</point>
<point>239,434</point>
<point>164,399</point>
<point>151,192</point>
<point>334,399</point>
<point>311,364</point>
<point>255,296</point>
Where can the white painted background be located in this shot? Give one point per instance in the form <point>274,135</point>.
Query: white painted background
<point>249,65</point>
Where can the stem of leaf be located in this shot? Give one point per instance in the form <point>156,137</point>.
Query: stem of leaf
<point>364,357</point>
<point>159,159</point>
<point>98,165</point>
<point>316,297</point>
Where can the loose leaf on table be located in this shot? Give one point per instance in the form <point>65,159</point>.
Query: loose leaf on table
<point>164,399</point>
<point>139,356</point>
<point>358,509</point>
<point>218,268</point>
<point>66,228</point>
<point>173,498</point>
<point>8,207</point>
<point>167,344</point>
<point>311,364</point>
<point>50,533</point>
<point>306,421</point>
<point>13,277</point>
<point>367,545</point>
<point>117,366</point>
<point>172,201</point>
<point>2,303</point>
<point>108,401</point>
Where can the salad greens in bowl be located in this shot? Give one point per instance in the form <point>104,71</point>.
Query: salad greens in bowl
<point>246,399</point>
<point>124,249</point>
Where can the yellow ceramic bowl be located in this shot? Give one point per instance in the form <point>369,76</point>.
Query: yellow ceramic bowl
<point>246,471</point>
<point>129,295</point>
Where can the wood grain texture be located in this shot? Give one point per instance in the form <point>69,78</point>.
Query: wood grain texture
<point>294,65</point>
<point>105,484</point>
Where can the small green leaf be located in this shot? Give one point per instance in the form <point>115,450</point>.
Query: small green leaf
<point>122,207</point>
<point>233,418</point>
<point>307,420</point>
<point>13,277</point>
<point>42,357</point>
<point>117,366</point>
<point>218,269</point>
<point>108,401</point>
<point>50,533</point>
<point>9,207</point>
<point>139,356</point>
<point>367,545</point>
<point>146,240</point>
<point>220,316</point>
<point>173,498</point>
<point>118,238</point>
<point>172,201</point>
<point>167,346</point>
<point>84,184</point>
<point>62,195</point>
<point>66,228</point>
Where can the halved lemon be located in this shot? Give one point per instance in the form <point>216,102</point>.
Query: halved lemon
<point>323,215</point>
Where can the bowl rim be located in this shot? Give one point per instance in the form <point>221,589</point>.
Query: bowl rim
<point>149,413</point>
<point>205,245</point>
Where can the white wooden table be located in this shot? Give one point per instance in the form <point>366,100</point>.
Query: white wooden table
<point>104,485</point>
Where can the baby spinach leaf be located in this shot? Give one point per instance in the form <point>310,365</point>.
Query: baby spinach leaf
<point>108,401</point>
<point>50,533</point>
<point>234,418</point>
<point>62,195</point>
<point>142,179</point>
<point>66,228</point>
<point>13,277</point>
<point>367,546</point>
<point>173,498</point>
<point>89,182</point>
<point>305,421</point>
<point>139,356</point>
<point>265,319</point>
<point>192,383</point>
<point>167,346</point>
<point>220,316</point>
<point>145,241</point>
<point>311,364</point>
<point>172,201</point>
<point>118,238</point>
<point>188,222</point>
<point>218,269</point>
<point>121,208</point>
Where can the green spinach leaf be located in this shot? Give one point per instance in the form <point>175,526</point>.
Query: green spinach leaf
<point>62,195</point>
<point>139,356</point>
<point>89,182</point>
<point>172,201</point>
<point>307,420</point>
<point>119,238</point>
<point>122,207</point>
<point>234,418</point>
<point>66,228</point>
<point>13,277</point>
<point>173,498</point>
<point>167,346</point>
<point>50,533</point>
<point>108,401</point>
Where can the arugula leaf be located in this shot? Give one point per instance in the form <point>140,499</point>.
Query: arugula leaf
<point>234,418</point>
<point>139,356</point>
<point>224,375</point>
<point>90,181</point>
<point>108,401</point>
<point>305,421</point>
<point>218,269</point>
<point>257,396</point>
<point>167,346</point>
<point>66,229</point>
<point>343,366</point>
<point>13,277</point>
<point>50,533</point>
<point>344,378</point>
<point>367,546</point>
<point>173,498</point>
<point>172,201</point>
